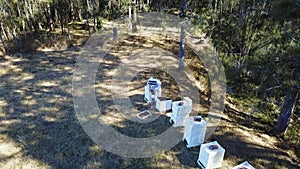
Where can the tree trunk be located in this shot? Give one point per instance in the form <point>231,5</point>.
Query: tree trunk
<point>79,14</point>
<point>183,8</point>
<point>69,30</point>
<point>87,16</point>
<point>134,24</point>
<point>286,113</point>
<point>94,16</point>
<point>3,31</point>
<point>115,31</point>
<point>3,44</point>
<point>50,17</point>
<point>135,12</point>
<point>15,36</point>
<point>7,30</point>
<point>181,48</point>
<point>88,23</point>
<point>24,30</point>
<point>129,17</point>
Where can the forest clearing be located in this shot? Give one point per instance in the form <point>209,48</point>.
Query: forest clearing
<point>39,127</point>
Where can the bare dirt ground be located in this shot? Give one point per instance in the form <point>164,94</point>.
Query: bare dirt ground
<point>39,128</point>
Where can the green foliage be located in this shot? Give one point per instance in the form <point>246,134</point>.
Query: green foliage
<point>99,22</point>
<point>146,8</point>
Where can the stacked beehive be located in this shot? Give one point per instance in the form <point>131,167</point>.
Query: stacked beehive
<point>194,131</point>
<point>152,90</point>
<point>211,155</point>
<point>180,111</point>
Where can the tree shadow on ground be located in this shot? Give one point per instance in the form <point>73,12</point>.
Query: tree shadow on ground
<point>247,120</point>
<point>259,156</point>
<point>38,114</point>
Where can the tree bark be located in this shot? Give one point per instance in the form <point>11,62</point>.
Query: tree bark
<point>183,8</point>
<point>3,44</point>
<point>129,17</point>
<point>286,113</point>
<point>50,17</point>
<point>15,36</point>
<point>3,31</point>
<point>94,16</point>
<point>181,48</point>
<point>115,31</point>
<point>69,30</point>
<point>87,16</point>
<point>135,12</point>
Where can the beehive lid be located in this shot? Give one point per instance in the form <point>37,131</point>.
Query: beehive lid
<point>144,114</point>
<point>244,165</point>
<point>212,147</point>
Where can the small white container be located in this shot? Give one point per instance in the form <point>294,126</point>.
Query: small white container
<point>194,131</point>
<point>245,165</point>
<point>180,112</point>
<point>211,155</point>
<point>163,104</point>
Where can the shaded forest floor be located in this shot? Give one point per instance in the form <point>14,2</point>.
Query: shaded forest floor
<point>39,128</point>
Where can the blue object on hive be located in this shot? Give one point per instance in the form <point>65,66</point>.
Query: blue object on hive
<point>154,83</point>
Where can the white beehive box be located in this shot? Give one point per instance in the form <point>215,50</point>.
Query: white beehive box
<point>163,104</point>
<point>210,158</point>
<point>152,90</point>
<point>244,165</point>
<point>180,112</point>
<point>194,131</point>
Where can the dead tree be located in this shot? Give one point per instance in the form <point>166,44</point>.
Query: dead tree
<point>286,113</point>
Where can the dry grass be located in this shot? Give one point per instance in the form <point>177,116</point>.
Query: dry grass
<point>38,127</point>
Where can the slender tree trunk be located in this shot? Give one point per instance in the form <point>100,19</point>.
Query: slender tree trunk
<point>88,23</point>
<point>69,29</point>
<point>87,16</point>
<point>20,39</point>
<point>51,27</point>
<point>8,32</point>
<point>30,28</point>
<point>71,11</point>
<point>24,30</point>
<point>286,113</point>
<point>15,36</point>
<point>134,24</point>
<point>129,17</point>
<point>3,44</point>
<point>94,16</point>
<point>135,12</point>
<point>3,32</point>
<point>181,48</point>
<point>183,8</point>
<point>115,31</point>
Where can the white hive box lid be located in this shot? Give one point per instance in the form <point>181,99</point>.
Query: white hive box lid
<point>211,155</point>
<point>188,100</point>
<point>244,165</point>
<point>181,107</point>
